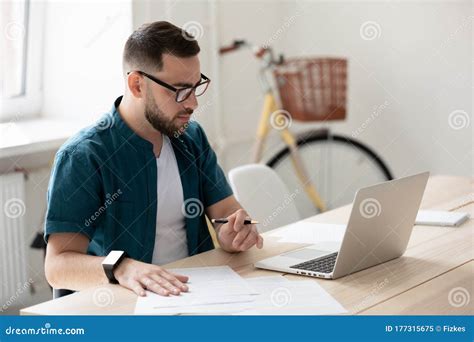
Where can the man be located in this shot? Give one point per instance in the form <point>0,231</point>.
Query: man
<point>142,180</point>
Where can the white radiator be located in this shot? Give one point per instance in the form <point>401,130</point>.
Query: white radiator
<point>13,267</point>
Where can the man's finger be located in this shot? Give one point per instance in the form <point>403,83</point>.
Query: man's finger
<point>180,277</point>
<point>241,236</point>
<point>168,284</point>
<point>229,225</point>
<point>240,217</point>
<point>136,287</point>
<point>172,278</point>
<point>251,240</point>
<point>260,241</point>
<point>154,286</point>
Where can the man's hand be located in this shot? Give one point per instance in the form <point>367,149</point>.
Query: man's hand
<point>139,276</point>
<point>235,236</point>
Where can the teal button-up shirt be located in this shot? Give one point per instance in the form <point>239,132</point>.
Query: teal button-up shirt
<point>104,185</point>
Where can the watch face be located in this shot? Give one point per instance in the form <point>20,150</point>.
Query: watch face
<point>112,258</point>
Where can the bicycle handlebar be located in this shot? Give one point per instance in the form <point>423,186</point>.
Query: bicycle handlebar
<point>258,51</point>
<point>237,44</point>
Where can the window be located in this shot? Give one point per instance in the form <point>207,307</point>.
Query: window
<point>21,22</point>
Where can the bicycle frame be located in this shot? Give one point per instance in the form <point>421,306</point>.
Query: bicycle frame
<point>270,106</point>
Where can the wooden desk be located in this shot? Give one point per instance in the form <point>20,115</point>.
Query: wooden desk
<point>437,261</point>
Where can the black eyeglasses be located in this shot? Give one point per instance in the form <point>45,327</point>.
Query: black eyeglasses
<point>182,94</point>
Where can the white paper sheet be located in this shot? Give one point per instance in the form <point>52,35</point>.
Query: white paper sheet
<point>230,308</point>
<point>309,232</point>
<point>207,286</point>
<point>305,297</point>
<point>277,296</point>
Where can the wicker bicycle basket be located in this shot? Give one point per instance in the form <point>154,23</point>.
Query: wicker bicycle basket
<point>313,89</point>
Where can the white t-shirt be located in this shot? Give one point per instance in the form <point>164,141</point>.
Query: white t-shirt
<point>170,241</point>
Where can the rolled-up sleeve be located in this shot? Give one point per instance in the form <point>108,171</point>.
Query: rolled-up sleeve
<point>73,195</point>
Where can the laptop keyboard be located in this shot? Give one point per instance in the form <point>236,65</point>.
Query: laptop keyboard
<point>324,264</point>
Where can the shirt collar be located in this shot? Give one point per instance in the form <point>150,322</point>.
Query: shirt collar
<point>125,130</point>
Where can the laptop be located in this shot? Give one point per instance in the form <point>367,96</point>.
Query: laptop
<point>379,227</point>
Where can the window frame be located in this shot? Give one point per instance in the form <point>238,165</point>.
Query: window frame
<point>28,105</point>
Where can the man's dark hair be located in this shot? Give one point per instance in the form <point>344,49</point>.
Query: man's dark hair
<point>145,47</point>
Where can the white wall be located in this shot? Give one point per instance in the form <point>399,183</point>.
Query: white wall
<point>83,57</point>
<point>419,70</point>
<point>421,65</point>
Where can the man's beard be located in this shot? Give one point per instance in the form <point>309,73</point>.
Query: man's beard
<point>160,122</point>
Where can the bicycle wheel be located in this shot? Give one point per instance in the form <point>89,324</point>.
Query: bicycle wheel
<point>337,165</point>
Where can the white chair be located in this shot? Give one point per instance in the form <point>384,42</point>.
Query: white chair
<point>264,196</point>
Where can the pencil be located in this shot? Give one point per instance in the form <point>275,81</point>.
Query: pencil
<point>224,220</point>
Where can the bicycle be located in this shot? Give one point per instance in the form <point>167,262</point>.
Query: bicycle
<point>310,90</point>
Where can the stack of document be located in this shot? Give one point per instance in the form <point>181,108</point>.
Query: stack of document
<point>208,286</point>
<point>219,290</point>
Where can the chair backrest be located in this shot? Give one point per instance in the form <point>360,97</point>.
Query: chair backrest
<point>264,196</point>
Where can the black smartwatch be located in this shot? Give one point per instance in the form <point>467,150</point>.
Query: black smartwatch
<point>111,262</point>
